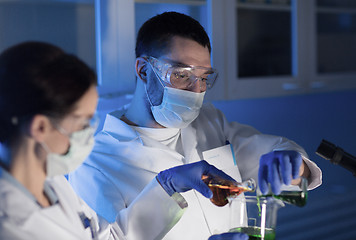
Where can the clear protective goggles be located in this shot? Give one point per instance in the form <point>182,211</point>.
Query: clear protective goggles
<point>84,124</point>
<point>182,76</point>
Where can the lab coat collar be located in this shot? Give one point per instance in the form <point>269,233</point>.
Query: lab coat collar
<point>9,178</point>
<point>145,154</point>
<point>159,134</point>
<point>125,133</point>
<point>26,214</point>
<point>52,196</point>
<point>120,130</point>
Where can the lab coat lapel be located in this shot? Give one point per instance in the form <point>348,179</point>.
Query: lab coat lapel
<point>30,217</point>
<point>57,221</point>
<point>145,153</point>
<point>189,142</point>
<point>117,128</point>
<point>65,212</point>
<point>152,156</point>
<point>119,139</point>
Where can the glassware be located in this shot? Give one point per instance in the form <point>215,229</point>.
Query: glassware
<point>255,216</point>
<point>297,198</point>
<point>224,189</point>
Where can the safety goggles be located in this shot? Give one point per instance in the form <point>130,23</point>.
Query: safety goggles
<point>182,76</point>
<point>79,122</point>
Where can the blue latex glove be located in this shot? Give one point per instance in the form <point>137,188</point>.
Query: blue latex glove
<point>186,177</point>
<point>229,236</point>
<point>276,168</point>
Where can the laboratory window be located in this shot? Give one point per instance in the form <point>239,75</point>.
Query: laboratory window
<point>270,48</point>
<point>336,36</point>
<point>264,40</point>
<point>67,24</point>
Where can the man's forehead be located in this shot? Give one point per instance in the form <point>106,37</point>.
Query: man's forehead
<point>188,52</point>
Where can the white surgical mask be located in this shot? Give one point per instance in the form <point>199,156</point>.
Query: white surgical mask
<point>81,144</point>
<point>178,108</point>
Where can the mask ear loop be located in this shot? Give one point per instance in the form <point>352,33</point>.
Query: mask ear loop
<point>158,76</point>
<point>148,98</point>
<point>45,147</point>
<point>159,80</point>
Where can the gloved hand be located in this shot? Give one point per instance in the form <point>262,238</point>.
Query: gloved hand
<point>229,236</point>
<point>186,177</point>
<point>276,168</point>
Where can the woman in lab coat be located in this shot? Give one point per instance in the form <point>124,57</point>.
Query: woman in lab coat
<point>47,104</point>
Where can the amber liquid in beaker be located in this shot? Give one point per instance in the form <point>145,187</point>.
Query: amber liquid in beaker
<point>223,189</point>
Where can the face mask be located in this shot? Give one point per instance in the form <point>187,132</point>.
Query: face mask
<point>81,144</point>
<point>178,108</point>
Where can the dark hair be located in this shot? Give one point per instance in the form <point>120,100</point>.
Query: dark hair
<point>39,78</point>
<point>154,36</point>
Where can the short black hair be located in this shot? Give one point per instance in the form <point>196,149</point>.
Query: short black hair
<point>154,36</point>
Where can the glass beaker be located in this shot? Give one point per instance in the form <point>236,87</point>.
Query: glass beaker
<point>255,216</point>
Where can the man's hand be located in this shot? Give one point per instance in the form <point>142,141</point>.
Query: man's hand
<point>278,167</point>
<point>229,236</point>
<point>186,177</point>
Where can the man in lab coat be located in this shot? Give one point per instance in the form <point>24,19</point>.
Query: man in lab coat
<point>166,125</point>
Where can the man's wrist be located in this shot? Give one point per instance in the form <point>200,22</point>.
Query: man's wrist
<point>162,180</point>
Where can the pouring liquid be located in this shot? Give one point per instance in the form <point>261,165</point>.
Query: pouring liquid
<point>223,189</point>
<point>297,198</point>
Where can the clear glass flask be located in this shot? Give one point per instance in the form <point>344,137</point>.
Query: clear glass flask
<point>297,198</point>
<point>224,189</point>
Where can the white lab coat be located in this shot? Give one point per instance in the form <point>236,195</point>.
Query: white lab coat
<point>22,218</point>
<point>123,162</point>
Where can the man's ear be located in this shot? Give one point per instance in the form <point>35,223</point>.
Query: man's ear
<point>141,68</point>
<point>39,127</point>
